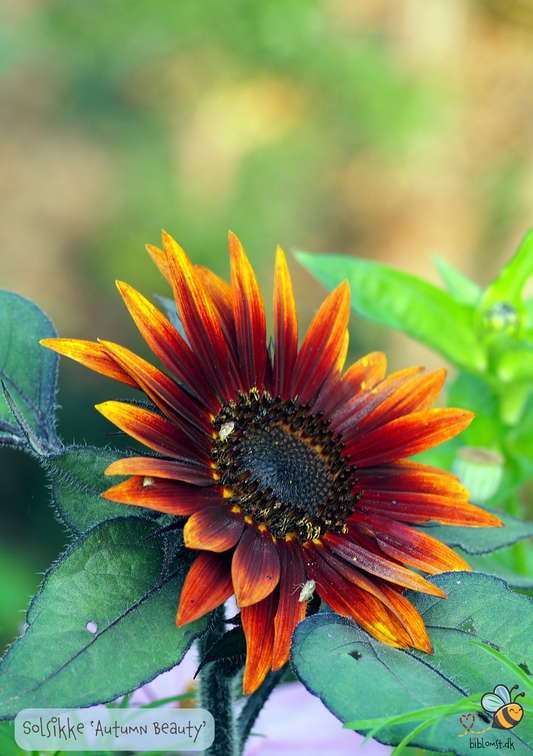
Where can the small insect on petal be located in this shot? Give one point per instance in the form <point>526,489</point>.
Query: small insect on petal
<point>148,482</point>
<point>226,429</point>
<point>307,591</point>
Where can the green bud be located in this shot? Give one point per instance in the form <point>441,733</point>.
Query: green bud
<point>501,316</point>
<point>480,470</point>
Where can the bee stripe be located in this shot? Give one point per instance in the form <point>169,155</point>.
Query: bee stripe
<point>507,716</point>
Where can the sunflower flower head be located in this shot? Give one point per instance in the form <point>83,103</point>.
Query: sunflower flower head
<point>292,472</point>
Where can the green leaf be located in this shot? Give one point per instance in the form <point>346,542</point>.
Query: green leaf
<point>77,480</point>
<point>502,564</point>
<point>360,678</point>
<point>482,540</point>
<point>457,284</point>
<point>112,579</point>
<point>29,372</point>
<point>399,300</point>
<point>508,285</point>
<point>8,745</point>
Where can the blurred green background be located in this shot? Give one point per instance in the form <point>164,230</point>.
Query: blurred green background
<point>389,129</point>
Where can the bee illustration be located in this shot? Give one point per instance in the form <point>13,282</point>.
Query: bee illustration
<point>507,713</point>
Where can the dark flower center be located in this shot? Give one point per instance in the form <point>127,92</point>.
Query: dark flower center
<point>282,466</point>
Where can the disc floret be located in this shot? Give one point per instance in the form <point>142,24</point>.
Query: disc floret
<point>282,466</point>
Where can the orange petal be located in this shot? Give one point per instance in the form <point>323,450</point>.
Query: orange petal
<point>168,345</point>
<point>255,568</point>
<point>258,625</point>
<point>160,259</point>
<point>322,344</point>
<point>249,317</point>
<point>377,565</point>
<point>222,300</point>
<point>92,356</point>
<point>410,618</point>
<point>410,546</point>
<point>199,319</point>
<point>153,431</point>
<point>361,376</point>
<point>290,609</point>
<point>213,529</point>
<point>207,585</point>
<point>408,435</point>
<point>347,599</point>
<point>166,394</point>
<point>285,328</point>
<point>161,468</point>
<point>169,496</point>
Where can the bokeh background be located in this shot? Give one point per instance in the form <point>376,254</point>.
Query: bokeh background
<point>388,129</point>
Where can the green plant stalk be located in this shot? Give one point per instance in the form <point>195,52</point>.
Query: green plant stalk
<point>512,401</point>
<point>217,693</point>
<point>513,505</point>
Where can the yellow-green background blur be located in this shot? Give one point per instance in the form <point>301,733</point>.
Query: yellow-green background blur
<point>389,129</point>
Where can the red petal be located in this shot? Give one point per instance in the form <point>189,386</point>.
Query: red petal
<point>322,344</point>
<point>171,399</point>
<point>160,259</point>
<point>351,573</point>
<point>410,546</point>
<point>207,585</point>
<point>255,568</point>
<point>161,468</point>
<point>213,529</point>
<point>290,609</point>
<point>92,356</point>
<point>413,396</point>
<point>368,402</point>
<point>199,319</point>
<point>222,300</point>
<point>153,431</point>
<point>414,492</point>
<point>408,435</point>
<point>249,317</point>
<point>285,328</point>
<point>377,565</point>
<point>162,495</point>
<point>168,345</point>
<point>331,383</point>
<point>362,375</point>
<point>347,599</point>
<point>258,625</point>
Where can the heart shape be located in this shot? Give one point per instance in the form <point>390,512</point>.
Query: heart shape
<point>467,718</point>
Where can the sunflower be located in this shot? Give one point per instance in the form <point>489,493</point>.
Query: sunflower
<point>291,472</point>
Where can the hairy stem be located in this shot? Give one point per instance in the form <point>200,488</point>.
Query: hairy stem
<point>255,703</point>
<point>216,694</point>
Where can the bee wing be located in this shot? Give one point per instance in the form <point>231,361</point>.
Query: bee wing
<point>491,702</point>
<point>503,692</point>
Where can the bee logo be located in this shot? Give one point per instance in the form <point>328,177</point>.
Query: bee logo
<point>507,713</point>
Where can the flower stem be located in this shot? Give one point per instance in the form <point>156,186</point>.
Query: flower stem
<point>255,703</point>
<point>216,693</point>
<point>513,505</point>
